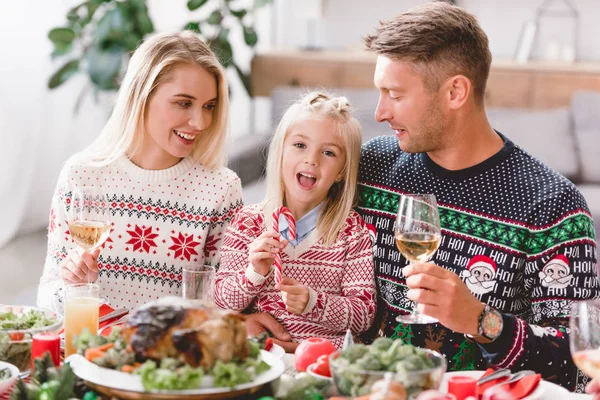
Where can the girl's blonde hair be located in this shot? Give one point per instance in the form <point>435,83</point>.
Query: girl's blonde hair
<point>341,197</point>
<point>151,65</point>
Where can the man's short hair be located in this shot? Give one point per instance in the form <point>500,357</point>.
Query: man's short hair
<point>441,40</point>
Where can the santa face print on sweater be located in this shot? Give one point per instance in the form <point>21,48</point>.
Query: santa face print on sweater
<point>556,273</point>
<point>479,275</point>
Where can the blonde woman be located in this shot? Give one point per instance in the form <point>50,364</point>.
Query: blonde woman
<point>329,284</point>
<point>161,160</point>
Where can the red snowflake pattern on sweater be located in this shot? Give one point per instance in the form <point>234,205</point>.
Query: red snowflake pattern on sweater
<point>142,238</point>
<point>211,245</point>
<point>184,246</point>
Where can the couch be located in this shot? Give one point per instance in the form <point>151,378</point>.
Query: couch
<point>567,138</point>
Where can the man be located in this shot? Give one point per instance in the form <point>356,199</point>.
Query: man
<point>518,234</point>
<point>504,215</point>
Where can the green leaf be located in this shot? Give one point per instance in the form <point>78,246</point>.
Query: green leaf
<point>238,13</point>
<point>215,18</point>
<point>131,41</point>
<point>137,4</point>
<point>62,35</point>
<point>61,48</point>
<point>261,3</point>
<point>250,36</point>
<point>195,4</point>
<point>245,78</point>
<point>222,48</point>
<point>63,74</point>
<point>104,65</point>
<point>144,22</point>
<point>192,26</point>
<point>224,34</point>
<point>110,26</point>
<point>66,381</point>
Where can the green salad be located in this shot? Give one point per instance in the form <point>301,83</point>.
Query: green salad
<point>359,366</point>
<point>10,321</point>
<point>171,373</point>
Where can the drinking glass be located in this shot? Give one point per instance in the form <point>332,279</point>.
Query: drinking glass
<point>199,283</point>
<point>585,336</point>
<point>89,218</point>
<point>82,307</point>
<point>417,238</point>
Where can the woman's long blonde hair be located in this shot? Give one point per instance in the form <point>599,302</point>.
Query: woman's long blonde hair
<point>150,65</point>
<point>341,197</point>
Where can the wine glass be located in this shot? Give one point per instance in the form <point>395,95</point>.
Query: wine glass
<point>585,336</point>
<point>417,238</point>
<point>89,218</point>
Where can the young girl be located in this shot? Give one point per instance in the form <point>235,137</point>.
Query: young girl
<point>160,158</point>
<point>328,283</point>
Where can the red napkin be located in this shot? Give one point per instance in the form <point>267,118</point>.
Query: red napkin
<point>518,390</point>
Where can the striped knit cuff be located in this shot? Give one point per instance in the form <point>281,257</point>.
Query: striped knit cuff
<point>312,300</point>
<point>254,277</point>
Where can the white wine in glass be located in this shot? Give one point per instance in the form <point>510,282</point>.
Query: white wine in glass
<point>89,217</point>
<point>585,336</point>
<point>418,237</point>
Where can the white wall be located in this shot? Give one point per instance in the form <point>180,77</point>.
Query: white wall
<point>344,22</point>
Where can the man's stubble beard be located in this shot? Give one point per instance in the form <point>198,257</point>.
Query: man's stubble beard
<point>432,129</point>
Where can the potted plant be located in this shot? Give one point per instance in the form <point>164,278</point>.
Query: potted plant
<point>100,35</point>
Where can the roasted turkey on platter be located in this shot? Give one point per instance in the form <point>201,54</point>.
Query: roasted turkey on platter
<point>197,334</point>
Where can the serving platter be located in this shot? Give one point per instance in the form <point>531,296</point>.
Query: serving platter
<point>125,386</point>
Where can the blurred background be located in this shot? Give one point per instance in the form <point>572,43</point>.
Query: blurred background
<point>544,90</point>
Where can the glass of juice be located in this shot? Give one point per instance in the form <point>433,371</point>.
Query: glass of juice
<point>585,336</point>
<point>82,306</point>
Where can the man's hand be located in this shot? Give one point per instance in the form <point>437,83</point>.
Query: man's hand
<point>593,388</point>
<point>443,295</point>
<point>295,295</point>
<point>263,322</point>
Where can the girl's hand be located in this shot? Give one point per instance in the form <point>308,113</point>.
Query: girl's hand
<point>263,249</point>
<point>295,295</point>
<point>77,268</point>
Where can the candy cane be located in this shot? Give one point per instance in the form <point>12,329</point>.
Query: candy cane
<point>291,233</point>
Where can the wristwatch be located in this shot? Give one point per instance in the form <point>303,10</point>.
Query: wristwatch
<point>490,326</point>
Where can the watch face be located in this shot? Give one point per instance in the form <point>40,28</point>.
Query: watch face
<point>492,324</point>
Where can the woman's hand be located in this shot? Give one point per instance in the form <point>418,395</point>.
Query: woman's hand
<point>77,268</point>
<point>295,295</point>
<point>263,250</point>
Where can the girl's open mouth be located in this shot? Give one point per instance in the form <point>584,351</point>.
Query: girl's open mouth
<point>305,180</point>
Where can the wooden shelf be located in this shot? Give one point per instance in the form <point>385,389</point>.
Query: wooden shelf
<point>532,85</point>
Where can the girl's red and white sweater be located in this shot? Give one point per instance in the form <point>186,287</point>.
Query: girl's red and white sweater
<point>340,277</point>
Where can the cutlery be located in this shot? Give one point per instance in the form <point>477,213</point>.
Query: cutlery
<point>516,377</point>
<point>117,322</point>
<point>494,375</point>
<point>114,314</point>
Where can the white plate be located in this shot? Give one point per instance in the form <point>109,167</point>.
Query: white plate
<point>114,379</point>
<point>6,384</point>
<point>545,390</point>
<point>277,350</point>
